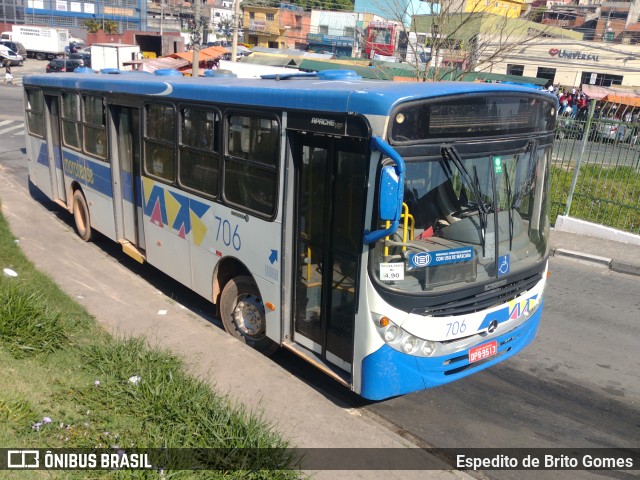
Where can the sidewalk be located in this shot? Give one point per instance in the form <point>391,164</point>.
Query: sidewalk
<point>129,305</point>
<point>602,246</point>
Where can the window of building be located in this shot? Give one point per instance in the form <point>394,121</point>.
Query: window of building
<point>515,70</point>
<point>250,168</point>
<point>71,120</point>
<point>349,32</point>
<point>199,150</point>
<point>252,15</point>
<point>270,17</point>
<point>95,126</point>
<point>324,29</point>
<point>547,73</point>
<point>601,79</point>
<point>159,141</point>
<point>35,112</point>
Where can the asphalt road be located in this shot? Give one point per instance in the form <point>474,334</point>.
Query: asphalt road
<point>576,386</point>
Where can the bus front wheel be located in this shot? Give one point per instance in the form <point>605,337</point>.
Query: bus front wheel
<point>243,314</point>
<point>81,216</point>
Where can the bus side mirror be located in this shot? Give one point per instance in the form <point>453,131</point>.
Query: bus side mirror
<point>389,208</point>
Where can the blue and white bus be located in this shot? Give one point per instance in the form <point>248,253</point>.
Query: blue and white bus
<point>395,235</point>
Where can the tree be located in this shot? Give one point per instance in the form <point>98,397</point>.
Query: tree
<point>94,26</point>
<point>460,36</point>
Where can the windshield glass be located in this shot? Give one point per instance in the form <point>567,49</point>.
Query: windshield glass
<point>467,219</point>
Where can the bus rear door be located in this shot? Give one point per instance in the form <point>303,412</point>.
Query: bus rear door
<point>125,167</point>
<point>54,150</point>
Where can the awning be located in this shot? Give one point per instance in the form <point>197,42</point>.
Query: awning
<point>188,56</point>
<point>153,64</point>
<point>215,52</point>
<point>632,100</point>
<point>595,91</point>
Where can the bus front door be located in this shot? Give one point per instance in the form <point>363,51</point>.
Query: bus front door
<point>330,191</point>
<point>125,168</point>
<point>56,168</point>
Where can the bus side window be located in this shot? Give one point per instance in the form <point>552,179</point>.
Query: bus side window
<point>71,120</point>
<point>250,174</point>
<point>35,112</point>
<point>160,141</point>
<point>198,156</point>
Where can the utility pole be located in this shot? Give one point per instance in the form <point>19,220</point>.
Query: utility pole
<point>236,22</point>
<point>196,36</point>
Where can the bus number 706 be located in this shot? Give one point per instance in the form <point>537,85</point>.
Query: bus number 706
<point>454,328</point>
<point>227,237</point>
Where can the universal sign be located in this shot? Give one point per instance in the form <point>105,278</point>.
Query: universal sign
<point>576,55</point>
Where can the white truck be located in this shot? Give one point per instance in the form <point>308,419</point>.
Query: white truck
<point>113,55</point>
<point>41,42</point>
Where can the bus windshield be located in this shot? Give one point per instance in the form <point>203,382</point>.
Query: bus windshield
<point>471,218</point>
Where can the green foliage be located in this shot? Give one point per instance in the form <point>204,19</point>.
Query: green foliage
<point>27,325</point>
<point>94,26</point>
<point>603,195</point>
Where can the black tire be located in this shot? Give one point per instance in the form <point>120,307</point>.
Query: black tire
<point>41,56</point>
<point>81,216</point>
<point>243,314</point>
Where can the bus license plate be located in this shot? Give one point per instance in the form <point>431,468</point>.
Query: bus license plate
<point>483,351</point>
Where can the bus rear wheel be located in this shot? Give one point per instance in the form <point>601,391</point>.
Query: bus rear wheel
<point>243,314</point>
<point>81,216</point>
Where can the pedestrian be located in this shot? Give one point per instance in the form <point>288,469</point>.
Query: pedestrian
<point>8,78</point>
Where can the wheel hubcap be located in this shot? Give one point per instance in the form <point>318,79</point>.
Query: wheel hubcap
<point>248,315</point>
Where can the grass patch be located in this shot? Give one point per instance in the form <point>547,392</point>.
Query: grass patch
<point>66,383</point>
<point>604,195</point>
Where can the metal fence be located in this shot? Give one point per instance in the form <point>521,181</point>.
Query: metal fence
<point>595,168</point>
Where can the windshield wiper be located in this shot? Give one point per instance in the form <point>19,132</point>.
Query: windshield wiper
<point>451,153</point>
<point>506,177</point>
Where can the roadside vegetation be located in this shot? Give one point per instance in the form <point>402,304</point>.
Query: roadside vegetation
<point>66,383</point>
<point>603,195</point>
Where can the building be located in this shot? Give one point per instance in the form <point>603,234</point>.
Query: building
<point>71,14</point>
<point>334,32</point>
<point>401,11</point>
<point>572,62</point>
<point>282,28</point>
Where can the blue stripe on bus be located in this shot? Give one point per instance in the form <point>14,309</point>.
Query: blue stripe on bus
<point>388,372</point>
<point>90,173</point>
<point>43,156</point>
<point>126,179</point>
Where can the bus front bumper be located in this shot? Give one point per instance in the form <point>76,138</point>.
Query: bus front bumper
<point>388,372</point>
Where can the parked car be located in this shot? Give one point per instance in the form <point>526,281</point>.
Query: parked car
<point>7,55</point>
<point>16,47</point>
<point>84,56</point>
<point>64,65</point>
<point>569,128</point>
<point>611,130</point>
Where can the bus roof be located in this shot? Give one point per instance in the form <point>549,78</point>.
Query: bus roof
<point>362,96</point>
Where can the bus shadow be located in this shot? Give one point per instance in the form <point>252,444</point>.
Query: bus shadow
<point>303,371</point>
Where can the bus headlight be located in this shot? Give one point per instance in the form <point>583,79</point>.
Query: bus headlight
<point>428,348</point>
<point>400,340</point>
<point>391,333</point>
<point>409,344</point>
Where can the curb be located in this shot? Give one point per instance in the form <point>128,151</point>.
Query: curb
<point>612,264</point>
